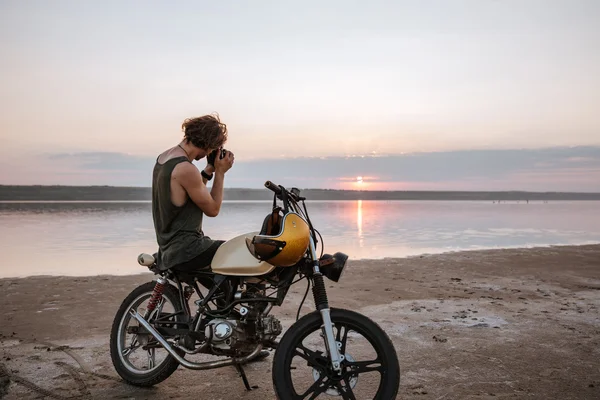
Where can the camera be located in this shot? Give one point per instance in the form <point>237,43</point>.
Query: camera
<point>211,157</point>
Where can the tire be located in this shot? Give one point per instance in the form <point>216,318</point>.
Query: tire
<point>167,366</point>
<point>389,371</point>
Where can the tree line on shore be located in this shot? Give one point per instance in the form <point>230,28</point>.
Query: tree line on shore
<point>117,193</point>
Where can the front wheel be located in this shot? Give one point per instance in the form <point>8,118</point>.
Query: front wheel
<point>302,367</point>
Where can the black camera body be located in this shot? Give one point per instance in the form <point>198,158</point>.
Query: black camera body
<point>213,155</point>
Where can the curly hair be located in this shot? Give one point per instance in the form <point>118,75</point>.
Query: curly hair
<point>206,132</point>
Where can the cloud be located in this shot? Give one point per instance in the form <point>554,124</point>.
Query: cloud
<point>550,169</point>
<point>462,170</point>
<point>81,168</point>
<point>103,160</point>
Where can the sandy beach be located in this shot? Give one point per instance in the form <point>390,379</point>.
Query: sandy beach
<point>518,323</point>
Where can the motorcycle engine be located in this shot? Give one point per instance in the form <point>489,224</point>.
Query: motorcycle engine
<point>232,334</point>
<point>270,327</point>
<point>225,333</point>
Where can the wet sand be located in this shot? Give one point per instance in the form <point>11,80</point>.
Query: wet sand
<point>518,323</point>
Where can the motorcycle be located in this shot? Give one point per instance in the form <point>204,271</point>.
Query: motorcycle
<point>329,351</point>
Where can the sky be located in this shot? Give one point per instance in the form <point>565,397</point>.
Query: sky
<point>435,95</point>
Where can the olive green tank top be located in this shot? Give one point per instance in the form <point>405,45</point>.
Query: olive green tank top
<point>178,229</point>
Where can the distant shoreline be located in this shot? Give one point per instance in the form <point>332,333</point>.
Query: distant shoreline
<point>120,193</point>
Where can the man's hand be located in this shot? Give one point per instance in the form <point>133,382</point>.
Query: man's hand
<point>224,164</point>
<point>210,158</point>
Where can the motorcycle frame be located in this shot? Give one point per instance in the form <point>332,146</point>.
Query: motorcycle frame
<point>193,324</point>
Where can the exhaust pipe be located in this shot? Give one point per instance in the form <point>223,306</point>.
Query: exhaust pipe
<point>183,361</point>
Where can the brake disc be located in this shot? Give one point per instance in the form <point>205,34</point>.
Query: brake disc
<point>333,391</point>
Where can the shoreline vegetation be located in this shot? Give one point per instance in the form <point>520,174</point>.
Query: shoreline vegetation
<point>121,193</point>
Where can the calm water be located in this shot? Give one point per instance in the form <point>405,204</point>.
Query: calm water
<point>105,238</point>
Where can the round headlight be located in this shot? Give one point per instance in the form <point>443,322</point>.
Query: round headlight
<point>333,266</point>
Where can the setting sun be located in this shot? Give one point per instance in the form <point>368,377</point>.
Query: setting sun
<point>359,179</point>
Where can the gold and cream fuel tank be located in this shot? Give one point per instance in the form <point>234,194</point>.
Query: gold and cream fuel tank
<point>234,258</point>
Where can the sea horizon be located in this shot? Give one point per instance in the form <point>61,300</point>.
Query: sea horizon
<point>141,193</point>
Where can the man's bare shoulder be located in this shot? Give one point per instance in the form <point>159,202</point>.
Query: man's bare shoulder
<point>166,155</point>
<point>186,172</point>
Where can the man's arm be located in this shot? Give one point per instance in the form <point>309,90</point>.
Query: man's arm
<point>210,170</point>
<point>188,176</point>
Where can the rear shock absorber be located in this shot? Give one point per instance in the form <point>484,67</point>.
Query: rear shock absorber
<point>156,297</point>
<point>319,292</point>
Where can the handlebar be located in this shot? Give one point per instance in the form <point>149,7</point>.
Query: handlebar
<point>275,188</point>
<point>294,194</point>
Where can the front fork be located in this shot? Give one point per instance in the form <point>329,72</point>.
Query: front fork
<point>322,304</point>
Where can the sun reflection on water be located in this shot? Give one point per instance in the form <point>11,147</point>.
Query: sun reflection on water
<point>359,222</point>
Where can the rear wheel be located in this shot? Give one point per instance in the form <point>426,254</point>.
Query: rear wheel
<point>302,367</point>
<point>137,356</point>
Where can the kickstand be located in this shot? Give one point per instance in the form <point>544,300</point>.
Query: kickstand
<point>240,371</point>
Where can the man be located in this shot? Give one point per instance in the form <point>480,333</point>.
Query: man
<point>180,197</point>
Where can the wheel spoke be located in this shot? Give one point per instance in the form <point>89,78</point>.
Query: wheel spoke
<point>128,351</point>
<point>345,391</point>
<point>349,387</point>
<point>151,358</point>
<point>358,367</point>
<point>316,393</point>
<point>133,346</point>
<point>316,389</point>
<point>312,357</point>
<point>156,312</point>
<point>134,341</point>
